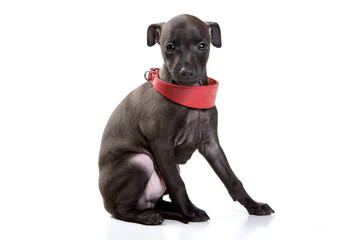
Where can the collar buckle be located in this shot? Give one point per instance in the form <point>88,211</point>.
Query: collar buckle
<point>149,75</point>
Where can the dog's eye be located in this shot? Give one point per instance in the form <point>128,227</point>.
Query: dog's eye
<point>202,47</point>
<point>170,47</point>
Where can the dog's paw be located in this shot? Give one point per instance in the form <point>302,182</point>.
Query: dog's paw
<point>197,215</point>
<point>151,218</point>
<point>260,209</point>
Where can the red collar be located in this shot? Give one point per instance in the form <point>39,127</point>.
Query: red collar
<point>201,97</point>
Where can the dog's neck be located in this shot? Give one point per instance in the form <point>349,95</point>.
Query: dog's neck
<point>165,76</point>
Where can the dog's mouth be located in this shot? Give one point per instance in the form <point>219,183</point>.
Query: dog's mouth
<point>191,83</point>
<point>195,80</point>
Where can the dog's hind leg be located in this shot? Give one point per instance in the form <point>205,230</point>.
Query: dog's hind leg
<point>133,191</point>
<point>123,184</point>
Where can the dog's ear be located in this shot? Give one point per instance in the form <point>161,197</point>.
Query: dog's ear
<point>153,34</point>
<point>215,33</point>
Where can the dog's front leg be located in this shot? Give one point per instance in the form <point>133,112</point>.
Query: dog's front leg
<point>214,154</point>
<point>175,185</point>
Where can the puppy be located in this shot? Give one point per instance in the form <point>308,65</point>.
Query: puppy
<point>149,135</point>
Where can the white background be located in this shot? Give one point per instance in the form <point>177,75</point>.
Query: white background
<point>289,114</point>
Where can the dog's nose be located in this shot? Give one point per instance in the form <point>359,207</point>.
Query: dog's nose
<point>186,72</point>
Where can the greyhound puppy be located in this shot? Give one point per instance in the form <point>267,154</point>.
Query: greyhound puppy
<point>148,136</point>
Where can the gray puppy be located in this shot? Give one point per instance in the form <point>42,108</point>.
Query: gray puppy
<point>147,135</point>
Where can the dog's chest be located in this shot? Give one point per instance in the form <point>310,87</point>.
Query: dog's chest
<point>192,130</point>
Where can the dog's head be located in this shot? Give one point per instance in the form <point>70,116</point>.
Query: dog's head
<point>185,44</point>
